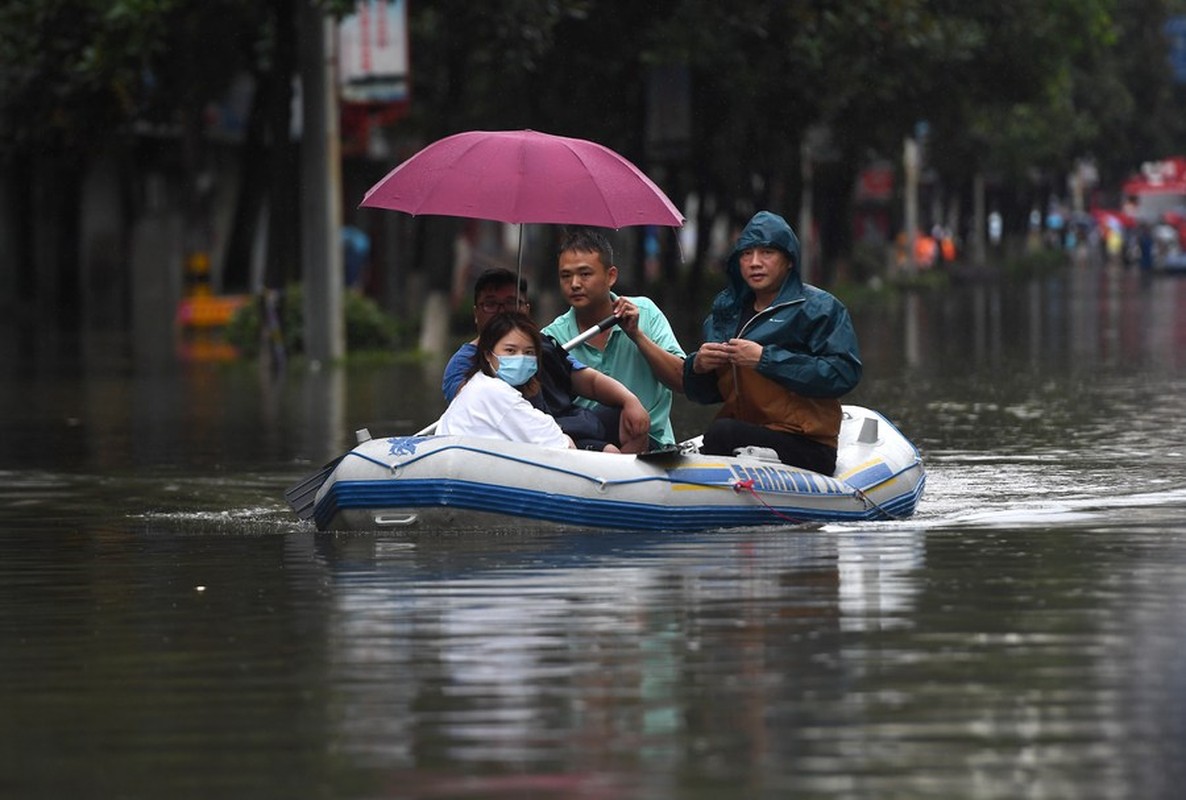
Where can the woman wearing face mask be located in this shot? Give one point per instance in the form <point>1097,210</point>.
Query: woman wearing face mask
<point>493,401</point>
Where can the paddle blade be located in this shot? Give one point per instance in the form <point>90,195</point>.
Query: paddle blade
<point>668,452</point>
<point>302,496</point>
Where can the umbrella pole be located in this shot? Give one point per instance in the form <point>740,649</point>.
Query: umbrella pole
<point>519,268</point>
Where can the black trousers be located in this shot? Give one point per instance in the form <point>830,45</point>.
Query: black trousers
<point>724,436</point>
<point>591,428</point>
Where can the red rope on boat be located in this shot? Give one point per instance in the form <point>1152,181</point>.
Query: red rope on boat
<point>747,485</point>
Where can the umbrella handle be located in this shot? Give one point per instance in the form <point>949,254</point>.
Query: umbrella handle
<point>584,336</point>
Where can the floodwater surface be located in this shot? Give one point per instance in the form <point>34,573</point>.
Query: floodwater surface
<point>169,629</point>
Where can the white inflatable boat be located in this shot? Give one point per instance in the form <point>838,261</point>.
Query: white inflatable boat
<point>453,482</point>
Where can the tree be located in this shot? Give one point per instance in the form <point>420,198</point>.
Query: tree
<point>1129,94</point>
<point>84,76</point>
<point>70,75</point>
<point>1009,88</point>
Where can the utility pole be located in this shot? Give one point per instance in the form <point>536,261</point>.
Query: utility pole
<point>911,165</point>
<point>321,189</point>
<point>979,220</point>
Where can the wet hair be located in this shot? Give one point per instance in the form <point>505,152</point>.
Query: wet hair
<point>587,240</point>
<point>499,326</point>
<point>496,278</point>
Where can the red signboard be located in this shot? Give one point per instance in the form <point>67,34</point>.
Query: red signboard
<point>876,183</point>
<point>373,53</point>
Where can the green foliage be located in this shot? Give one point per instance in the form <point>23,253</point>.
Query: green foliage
<point>368,327</point>
<point>997,80</point>
<point>869,261</point>
<point>75,72</point>
<point>245,330</point>
<point>56,78</point>
<point>1037,262</point>
<point>858,296</point>
<point>486,64</point>
<point>984,73</point>
<point>1018,89</point>
<point>922,279</point>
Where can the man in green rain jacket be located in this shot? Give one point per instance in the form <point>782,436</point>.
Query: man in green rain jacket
<point>777,352</point>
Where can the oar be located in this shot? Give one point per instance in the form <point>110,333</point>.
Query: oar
<point>660,453</point>
<point>302,496</point>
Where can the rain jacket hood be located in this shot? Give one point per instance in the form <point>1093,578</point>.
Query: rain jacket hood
<point>765,230</point>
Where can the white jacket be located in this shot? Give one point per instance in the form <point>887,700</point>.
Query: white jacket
<point>493,409</point>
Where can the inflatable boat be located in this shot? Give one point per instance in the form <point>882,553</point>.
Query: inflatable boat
<point>459,482</point>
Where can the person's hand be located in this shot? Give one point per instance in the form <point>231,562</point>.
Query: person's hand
<point>743,352</point>
<point>634,427</point>
<point>710,357</point>
<point>627,314</point>
<point>739,352</point>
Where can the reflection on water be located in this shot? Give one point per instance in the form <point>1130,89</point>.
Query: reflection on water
<point>1018,355</point>
<point>167,628</point>
<point>1081,319</point>
<point>586,649</point>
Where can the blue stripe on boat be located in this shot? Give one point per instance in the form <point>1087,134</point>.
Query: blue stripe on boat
<point>702,475</point>
<point>580,511</point>
<point>871,475</point>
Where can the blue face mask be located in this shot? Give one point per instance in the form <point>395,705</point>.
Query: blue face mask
<point>517,370</point>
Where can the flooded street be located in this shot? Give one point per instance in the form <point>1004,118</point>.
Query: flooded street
<point>169,629</point>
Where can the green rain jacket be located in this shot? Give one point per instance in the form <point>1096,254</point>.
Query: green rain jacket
<point>809,358</point>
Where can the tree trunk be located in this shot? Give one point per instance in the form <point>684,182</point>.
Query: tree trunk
<point>283,187</point>
<point>250,198</point>
<point>55,261</point>
<point>321,211</point>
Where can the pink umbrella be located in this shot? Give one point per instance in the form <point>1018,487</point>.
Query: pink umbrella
<point>524,176</point>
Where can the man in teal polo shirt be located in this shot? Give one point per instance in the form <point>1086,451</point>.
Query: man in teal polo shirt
<point>641,352</point>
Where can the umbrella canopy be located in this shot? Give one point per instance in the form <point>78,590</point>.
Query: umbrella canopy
<point>524,176</point>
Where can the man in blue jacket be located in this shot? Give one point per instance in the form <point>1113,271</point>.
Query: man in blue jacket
<point>777,352</point>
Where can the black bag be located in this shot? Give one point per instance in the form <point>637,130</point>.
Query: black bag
<point>590,429</point>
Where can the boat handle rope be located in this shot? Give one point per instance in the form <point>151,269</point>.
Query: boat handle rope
<point>872,504</point>
<point>747,485</point>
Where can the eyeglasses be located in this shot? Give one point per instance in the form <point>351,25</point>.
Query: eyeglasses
<point>496,306</point>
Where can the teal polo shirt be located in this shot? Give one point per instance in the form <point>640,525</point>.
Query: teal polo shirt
<point>623,361</point>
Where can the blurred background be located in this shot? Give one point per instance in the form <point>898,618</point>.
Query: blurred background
<point>173,173</point>
<point>195,314</point>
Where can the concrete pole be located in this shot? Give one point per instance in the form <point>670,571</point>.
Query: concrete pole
<point>979,220</point>
<point>910,163</point>
<point>321,190</point>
